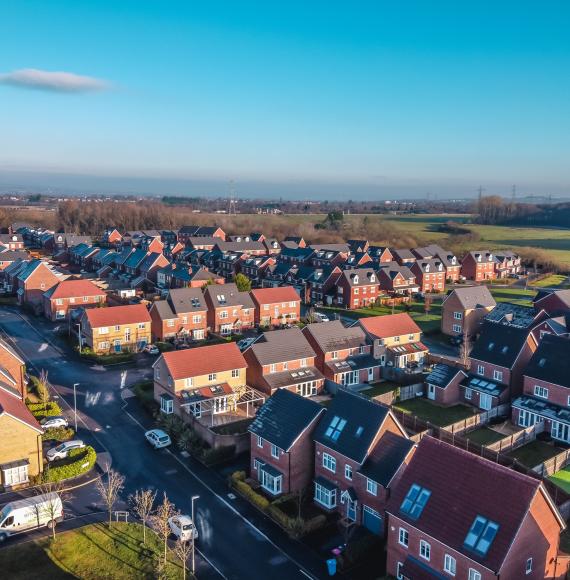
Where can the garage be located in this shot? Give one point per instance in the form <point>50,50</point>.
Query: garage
<point>371,520</point>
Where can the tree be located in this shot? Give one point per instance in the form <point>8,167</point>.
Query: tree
<point>42,387</point>
<point>109,488</point>
<point>53,496</point>
<point>243,283</point>
<point>183,551</point>
<point>427,304</point>
<point>142,503</point>
<point>465,350</point>
<point>163,513</point>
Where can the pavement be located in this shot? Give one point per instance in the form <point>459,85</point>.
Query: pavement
<point>236,541</point>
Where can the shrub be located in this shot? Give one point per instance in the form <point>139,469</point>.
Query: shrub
<point>41,410</point>
<point>238,476</point>
<point>255,498</point>
<point>218,455</point>
<point>38,388</point>
<point>164,346</point>
<point>78,462</point>
<point>58,434</point>
<point>281,517</point>
<point>314,524</point>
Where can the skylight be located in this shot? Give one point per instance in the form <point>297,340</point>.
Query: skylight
<point>335,428</point>
<point>415,501</point>
<point>359,430</point>
<point>481,535</point>
<point>491,345</point>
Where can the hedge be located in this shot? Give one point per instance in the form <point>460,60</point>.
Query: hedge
<point>41,410</point>
<point>58,434</point>
<point>78,462</point>
<point>251,495</point>
<point>106,359</point>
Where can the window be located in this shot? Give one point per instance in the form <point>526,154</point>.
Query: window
<point>481,370</point>
<point>85,298</point>
<point>425,550</point>
<point>334,354</point>
<point>541,392</point>
<point>103,345</point>
<point>449,564</point>
<point>59,302</point>
<point>528,567</point>
<point>166,405</point>
<point>497,375</point>
<point>415,501</point>
<point>272,368</point>
<point>271,483</point>
<point>326,497</point>
<point>117,328</point>
<point>474,575</point>
<point>170,323</point>
<point>348,472</point>
<point>458,315</point>
<point>329,462</point>
<point>15,475</point>
<point>274,451</point>
<point>481,535</point>
<point>223,314</point>
<point>303,362</point>
<point>189,381</point>
<point>371,487</point>
<point>259,441</point>
<point>235,373</point>
<point>361,349</point>
<point>403,537</point>
<point>104,330</point>
<point>286,365</point>
<point>141,325</point>
<point>456,328</point>
<point>212,376</point>
<point>468,394</point>
<point>256,464</point>
<point>335,427</point>
<point>195,319</point>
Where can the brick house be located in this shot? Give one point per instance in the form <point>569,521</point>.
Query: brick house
<point>546,389</point>
<point>358,260</point>
<point>316,283</point>
<point>283,359</point>
<point>443,384</point>
<point>12,241</point>
<point>202,381</point>
<point>356,288</point>
<point>478,266</point>
<point>282,447</point>
<point>183,314</point>
<point>554,302</point>
<point>463,310</point>
<point>380,255</point>
<point>70,295</point>
<point>116,329</point>
<point>186,232</point>
<point>33,281</point>
<point>403,256</point>
<point>343,354</point>
<point>430,275</point>
<point>153,262</point>
<point>255,267</point>
<point>112,237</point>
<point>507,264</point>
<point>10,256</point>
<point>276,306</point>
<point>229,310</point>
<point>397,280</point>
<point>344,440</point>
<point>451,264</point>
<point>484,522</point>
<point>12,369</point>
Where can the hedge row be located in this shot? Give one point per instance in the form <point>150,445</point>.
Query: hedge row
<point>58,434</point>
<point>78,462</point>
<point>41,410</point>
<point>255,498</point>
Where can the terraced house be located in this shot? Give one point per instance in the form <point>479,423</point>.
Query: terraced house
<point>70,295</point>
<point>478,266</point>
<point>276,306</point>
<point>229,310</point>
<point>356,288</point>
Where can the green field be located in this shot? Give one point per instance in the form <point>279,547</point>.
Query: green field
<point>552,281</point>
<point>562,479</point>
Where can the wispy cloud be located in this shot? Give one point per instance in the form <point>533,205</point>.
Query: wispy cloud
<point>60,82</point>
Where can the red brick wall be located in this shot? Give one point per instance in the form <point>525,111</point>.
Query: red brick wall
<point>33,290</point>
<point>51,307</point>
<point>556,393</point>
<point>15,368</point>
<point>287,312</point>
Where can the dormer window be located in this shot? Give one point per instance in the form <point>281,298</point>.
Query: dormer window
<point>355,279</point>
<point>372,278</point>
<point>427,267</point>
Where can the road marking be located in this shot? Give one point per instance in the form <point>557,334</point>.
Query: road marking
<point>171,472</point>
<point>211,564</point>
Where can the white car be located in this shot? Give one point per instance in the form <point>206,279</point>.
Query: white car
<point>151,349</point>
<point>158,438</point>
<point>245,343</point>
<point>63,449</point>
<point>183,528</point>
<point>54,422</point>
<point>320,317</point>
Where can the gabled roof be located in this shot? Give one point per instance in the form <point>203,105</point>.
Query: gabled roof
<point>274,295</point>
<point>360,277</point>
<point>14,407</point>
<point>283,418</point>
<point>482,256</point>
<point>551,361</point>
<point>333,335</point>
<point>513,315</point>
<point>187,300</point>
<point>351,424</point>
<point>222,295</point>
<point>471,297</point>
<point>499,344</point>
<point>117,315</point>
<point>13,255</point>
<point>203,360</point>
<point>443,374</point>
<point>280,346</point>
<point>463,486</point>
<point>73,289</point>
<point>389,325</point>
<point>386,458</point>
<point>135,259</point>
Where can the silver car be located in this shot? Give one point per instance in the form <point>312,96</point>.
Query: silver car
<point>54,422</point>
<point>63,449</point>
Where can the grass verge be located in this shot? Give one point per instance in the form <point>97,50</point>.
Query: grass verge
<point>535,453</point>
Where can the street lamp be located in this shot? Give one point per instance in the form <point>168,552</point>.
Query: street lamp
<point>79,335</point>
<point>194,497</point>
<point>75,403</point>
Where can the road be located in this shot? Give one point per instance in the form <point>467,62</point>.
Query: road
<point>235,540</point>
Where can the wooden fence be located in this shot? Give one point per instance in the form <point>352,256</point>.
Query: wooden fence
<point>516,440</point>
<point>471,423</point>
<point>553,464</point>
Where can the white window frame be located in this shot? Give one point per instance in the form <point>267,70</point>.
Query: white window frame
<point>196,318</point>
<point>348,472</point>
<point>528,566</point>
<point>450,564</point>
<point>271,484</point>
<point>497,375</point>
<point>458,315</point>
<point>399,574</point>
<point>274,451</point>
<point>16,475</point>
<point>474,574</point>
<point>371,487</point>
<point>481,370</point>
<point>166,406</point>
<point>403,537</point>
<point>324,496</point>
<point>540,391</point>
<point>468,393</point>
<point>235,373</point>
<point>425,550</point>
<point>329,462</point>
<point>456,328</point>
<point>260,442</point>
<point>213,377</point>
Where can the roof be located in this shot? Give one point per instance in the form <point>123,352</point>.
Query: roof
<point>135,259</point>
<point>116,315</point>
<point>273,295</point>
<point>13,255</point>
<point>74,288</point>
<point>250,246</point>
<point>420,570</point>
<point>283,417</point>
<point>483,385</point>
<point>333,335</point>
<point>291,378</point>
<point>352,363</point>
<point>499,344</point>
<point>389,325</point>
<point>228,295</point>
<point>512,315</point>
<point>15,407</point>
<point>203,360</point>
<point>442,375</point>
<point>471,297</point>
<point>551,361</point>
<point>562,295</point>
<point>359,419</point>
<point>386,458</point>
<point>479,487</point>
<point>360,277</point>
<point>187,300</point>
<point>281,345</point>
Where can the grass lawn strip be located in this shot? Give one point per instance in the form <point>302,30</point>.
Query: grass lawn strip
<point>484,436</point>
<point>440,416</point>
<point>381,389</point>
<point>552,280</point>
<point>535,453</point>
<point>562,479</point>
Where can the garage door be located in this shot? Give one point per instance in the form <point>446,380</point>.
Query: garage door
<point>371,520</point>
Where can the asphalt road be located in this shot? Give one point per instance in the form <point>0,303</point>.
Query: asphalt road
<point>235,540</point>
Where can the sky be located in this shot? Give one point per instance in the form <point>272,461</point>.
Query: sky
<point>307,99</point>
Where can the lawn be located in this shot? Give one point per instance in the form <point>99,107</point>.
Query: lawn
<point>440,416</point>
<point>562,479</point>
<point>518,296</point>
<point>91,552</point>
<point>380,389</point>
<point>484,436</point>
<point>535,453</point>
<point>550,281</point>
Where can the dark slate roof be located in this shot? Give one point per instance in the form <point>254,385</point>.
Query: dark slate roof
<point>135,259</point>
<point>386,459</point>
<point>281,345</point>
<point>483,385</point>
<point>290,378</point>
<point>13,255</point>
<point>442,374</point>
<point>471,297</point>
<point>512,315</point>
<point>551,361</point>
<point>499,344</point>
<point>333,335</point>
<point>184,300</point>
<point>360,277</point>
<point>363,420</point>
<point>283,417</point>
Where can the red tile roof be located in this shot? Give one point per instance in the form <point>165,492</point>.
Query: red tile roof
<point>116,315</point>
<point>390,325</point>
<point>203,360</point>
<point>76,288</point>
<point>464,486</point>
<point>15,407</point>
<point>274,295</point>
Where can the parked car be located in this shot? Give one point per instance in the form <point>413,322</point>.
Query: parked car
<point>320,317</point>
<point>183,528</point>
<point>63,449</point>
<point>245,343</point>
<point>54,422</point>
<point>158,438</point>
<point>30,513</point>
<point>151,349</point>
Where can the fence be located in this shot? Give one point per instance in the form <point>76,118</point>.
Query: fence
<point>516,440</point>
<point>553,464</point>
<point>477,420</point>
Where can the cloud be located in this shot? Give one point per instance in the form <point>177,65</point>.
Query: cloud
<point>59,82</point>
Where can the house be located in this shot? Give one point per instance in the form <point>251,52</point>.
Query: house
<point>451,264</point>
<point>554,302</point>
<point>112,237</point>
<point>186,232</point>
<point>36,278</point>
<point>229,310</point>
<point>202,242</point>
<point>545,395</point>
<point>344,440</point>
<point>358,260</point>
<point>276,306</point>
<point>478,266</point>
<point>356,288</point>
<point>10,256</point>
<point>202,381</point>
<point>343,354</point>
<point>183,314</point>
<point>443,384</point>
<point>519,316</point>
<point>464,308</point>
<point>397,280</point>
<point>327,258</point>
<point>396,340</point>
<point>282,447</point>
<point>507,264</point>
<point>315,283</point>
<point>255,267</point>
<point>358,246</point>
<point>116,329</point>
<point>150,266</point>
<point>21,452</point>
<point>380,255</point>
<point>454,514</point>
<point>283,359</point>
<point>297,240</point>
<point>70,295</point>
<point>250,248</point>
<point>430,275</point>
<point>12,370</point>
<point>403,256</point>
<point>12,241</point>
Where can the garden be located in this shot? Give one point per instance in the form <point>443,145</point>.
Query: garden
<point>436,414</point>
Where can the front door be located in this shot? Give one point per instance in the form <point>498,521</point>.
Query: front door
<point>117,346</point>
<point>370,374</point>
<point>351,510</point>
<point>431,392</point>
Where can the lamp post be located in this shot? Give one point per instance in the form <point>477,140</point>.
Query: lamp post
<point>79,336</point>
<point>75,385</point>
<point>194,497</point>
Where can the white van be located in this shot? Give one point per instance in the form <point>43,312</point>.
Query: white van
<point>29,514</point>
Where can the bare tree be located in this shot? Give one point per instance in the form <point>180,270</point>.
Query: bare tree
<point>163,513</point>
<point>465,350</point>
<point>427,304</point>
<point>109,488</point>
<point>183,551</point>
<point>43,388</point>
<point>142,503</point>
<point>51,507</point>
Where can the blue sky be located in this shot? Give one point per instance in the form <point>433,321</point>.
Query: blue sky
<point>373,99</point>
